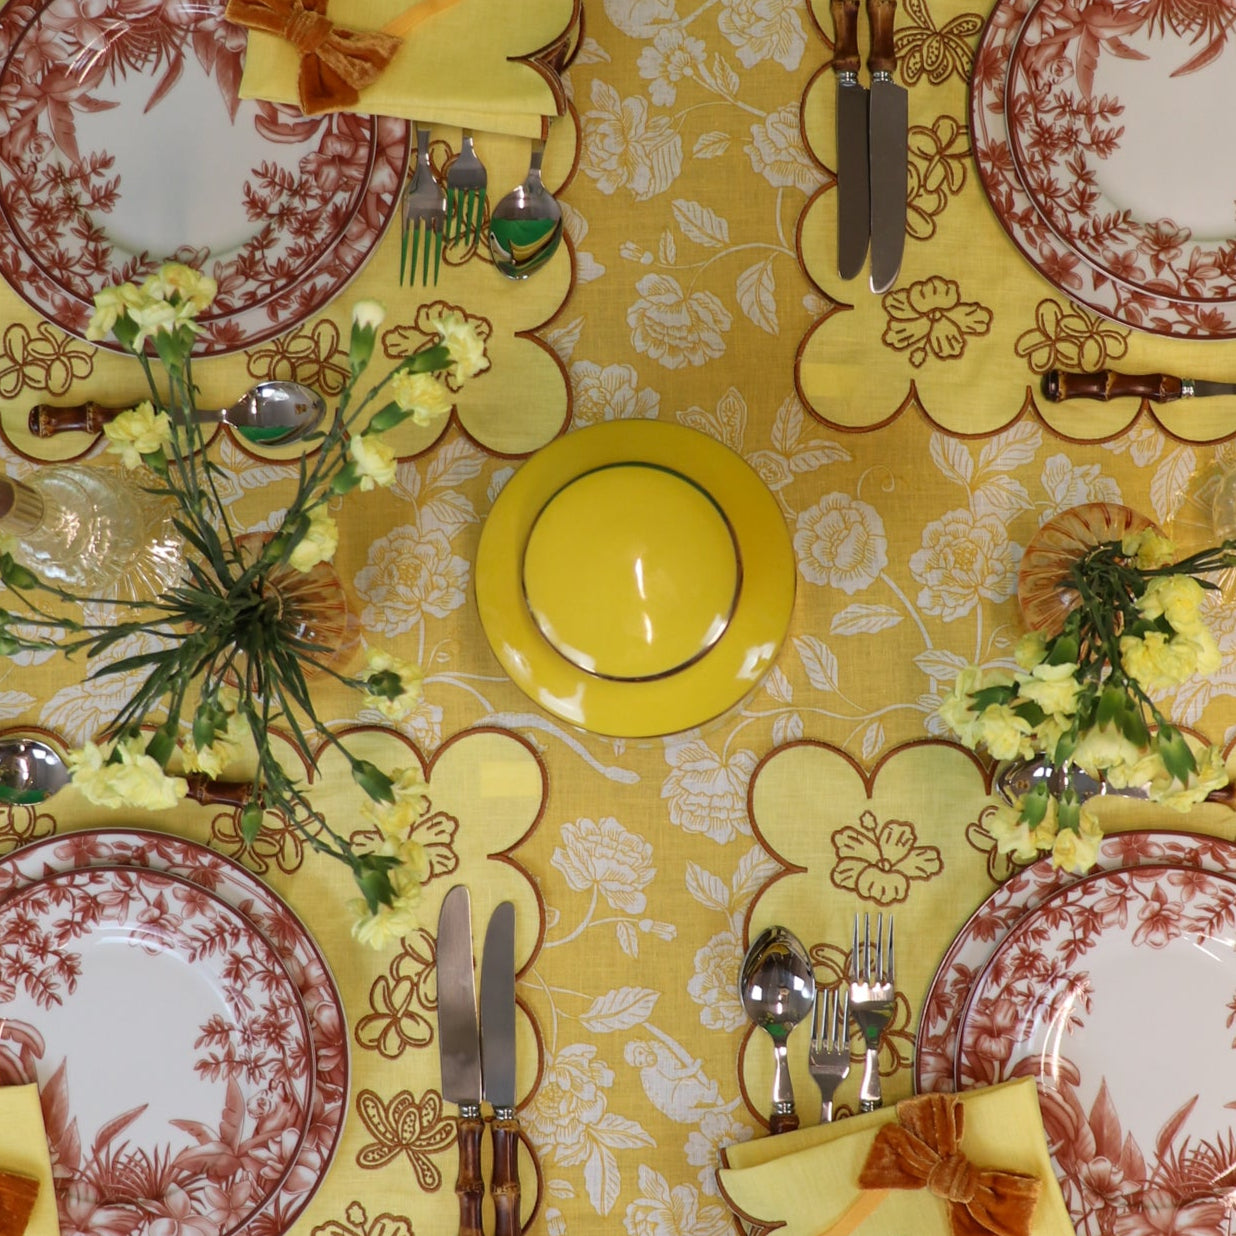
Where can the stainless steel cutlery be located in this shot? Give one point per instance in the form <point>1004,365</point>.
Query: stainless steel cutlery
<point>424,218</point>
<point>872,1001</point>
<point>828,1060</point>
<point>466,184</point>
<point>477,1057</point>
<point>872,161</point>
<point>778,989</point>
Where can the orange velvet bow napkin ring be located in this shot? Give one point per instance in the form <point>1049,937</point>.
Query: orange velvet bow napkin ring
<point>336,63</point>
<point>922,1151</point>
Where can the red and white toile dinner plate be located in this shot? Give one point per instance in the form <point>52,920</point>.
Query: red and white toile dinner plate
<point>273,922</point>
<point>170,1046</point>
<point>1094,98</point>
<point>1026,227</point>
<point>936,1042</point>
<point>1117,996</point>
<point>124,144</point>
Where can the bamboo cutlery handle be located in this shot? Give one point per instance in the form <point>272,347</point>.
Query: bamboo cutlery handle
<point>48,419</point>
<point>505,1183</point>
<point>1108,384</point>
<point>470,1184</point>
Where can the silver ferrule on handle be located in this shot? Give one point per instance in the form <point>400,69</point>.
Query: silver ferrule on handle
<point>782,1087</point>
<point>504,1113</point>
<point>870,1094</point>
<point>469,1111</point>
<point>1187,388</point>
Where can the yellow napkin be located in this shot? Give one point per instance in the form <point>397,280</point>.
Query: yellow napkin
<point>803,1182</point>
<point>460,68</point>
<point>23,1150</point>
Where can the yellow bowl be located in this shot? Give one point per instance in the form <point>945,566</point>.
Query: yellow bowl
<point>635,578</point>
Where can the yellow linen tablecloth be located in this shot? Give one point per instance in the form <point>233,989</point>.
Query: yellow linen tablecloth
<point>480,64</point>
<point>23,1150</point>
<point>911,477</point>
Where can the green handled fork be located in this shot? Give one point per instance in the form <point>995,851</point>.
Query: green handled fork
<point>424,217</point>
<point>466,182</point>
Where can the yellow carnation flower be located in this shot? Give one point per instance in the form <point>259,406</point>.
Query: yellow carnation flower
<point>374,460</point>
<point>319,542</point>
<point>427,398</point>
<point>466,347</point>
<point>137,432</point>
<point>1004,733</point>
<point>1054,688</point>
<point>1178,598</point>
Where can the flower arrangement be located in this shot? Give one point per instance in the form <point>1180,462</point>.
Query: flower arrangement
<point>229,664</point>
<point>1084,698</point>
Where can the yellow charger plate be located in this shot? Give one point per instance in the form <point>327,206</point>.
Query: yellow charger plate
<point>635,579</point>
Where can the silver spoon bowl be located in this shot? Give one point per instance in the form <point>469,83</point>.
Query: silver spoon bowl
<point>777,989</point>
<point>525,227</point>
<point>31,770</point>
<point>270,414</point>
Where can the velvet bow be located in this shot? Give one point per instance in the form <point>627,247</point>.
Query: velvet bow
<point>336,63</point>
<point>921,1151</point>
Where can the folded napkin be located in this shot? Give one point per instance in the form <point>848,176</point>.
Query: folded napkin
<point>473,64</point>
<point>910,1160</point>
<point>23,1152</point>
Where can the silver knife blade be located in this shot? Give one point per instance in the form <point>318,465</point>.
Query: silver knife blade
<point>888,129</point>
<point>853,196</point>
<point>498,1008</point>
<point>459,1039</point>
<point>1199,388</point>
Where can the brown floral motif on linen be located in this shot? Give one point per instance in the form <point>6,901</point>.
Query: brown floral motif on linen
<point>1066,337</point>
<point>403,1000</point>
<point>939,155</point>
<point>408,1126</point>
<point>311,354</point>
<point>356,1222</point>
<point>929,319</point>
<point>402,341</point>
<point>435,831</point>
<point>42,359</point>
<point>278,843</point>
<point>923,50</point>
<point>20,824</point>
<point>999,866</point>
<point>878,860</point>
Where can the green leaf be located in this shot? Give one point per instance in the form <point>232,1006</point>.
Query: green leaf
<point>373,781</point>
<point>1068,811</point>
<point>251,820</point>
<point>1176,754</point>
<point>429,360</point>
<point>987,696</point>
<point>15,575</point>
<point>371,872</point>
<point>1063,650</point>
<point>1034,805</point>
<point>387,418</point>
<point>161,745</point>
<point>346,479</point>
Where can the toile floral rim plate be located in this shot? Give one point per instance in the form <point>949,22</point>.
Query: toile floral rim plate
<point>270,915</point>
<point>1064,269</point>
<point>635,578</point>
<point>1116,995</point>
<point>124,143</point>
<point>935,1044</point>
<point>1093,98</point>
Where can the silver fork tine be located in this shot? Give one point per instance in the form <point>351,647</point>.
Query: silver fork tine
<point>828,1060</point>
<point>872,1000</point>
